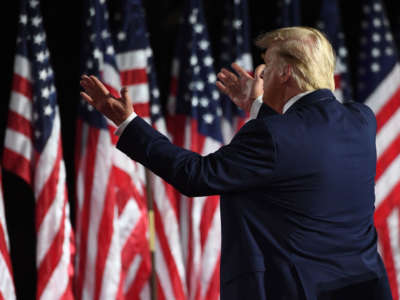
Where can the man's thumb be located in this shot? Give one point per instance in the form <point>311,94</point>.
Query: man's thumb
<point>124,94</point>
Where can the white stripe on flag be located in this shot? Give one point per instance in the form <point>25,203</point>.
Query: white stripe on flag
<point>58,283</point>
<point>162,272</point>
<point>393,227</point>
<point>52,221</point>
<point>387,181</point>
<point>128,220</point>
<point>139,93</point>
<point>21,105</point>
<point>22,67</point>
<point>212,251</point>
<point>388,133</point>
<point>169,224</point>
<point>132,272</point>
<point>6,281</point>
<point>48,157</point>
<point>99,191</point>
<point>111,77</point>
<point>112,270</point>
<point>18,143</point>
<point>136,59</point>
<point>385,90</point>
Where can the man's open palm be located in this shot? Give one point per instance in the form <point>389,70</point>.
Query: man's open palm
<point>97,95</point>
<point>242,89</point>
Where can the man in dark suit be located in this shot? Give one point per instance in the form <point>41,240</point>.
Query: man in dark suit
<point>296,182</point>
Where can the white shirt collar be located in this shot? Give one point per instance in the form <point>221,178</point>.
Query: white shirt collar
<point>293,100</point>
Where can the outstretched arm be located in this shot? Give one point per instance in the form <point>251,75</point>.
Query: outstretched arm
<point>242,89</point>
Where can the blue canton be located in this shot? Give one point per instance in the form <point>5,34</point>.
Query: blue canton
<point>377,50</point>
<point>197,95</point>
<point>31,44</point>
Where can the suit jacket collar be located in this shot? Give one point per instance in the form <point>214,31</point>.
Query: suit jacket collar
<point>313,97</point>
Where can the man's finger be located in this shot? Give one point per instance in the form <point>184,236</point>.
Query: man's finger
<point>124,95</point>
<point>223,89</point>
<point>87,98</point>
<point>229,75</point>
<point>241,71</point>
<point>99,85</point>
<point>88,80</point>
<point>258,71</point>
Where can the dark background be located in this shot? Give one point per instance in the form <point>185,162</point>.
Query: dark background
<point>63,25</point>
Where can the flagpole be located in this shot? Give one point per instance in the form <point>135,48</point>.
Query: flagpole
<point>151,235</point>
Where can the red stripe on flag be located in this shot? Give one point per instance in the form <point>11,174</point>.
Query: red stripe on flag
<point>52,258</point>
<point>136,244</point>
<point>389,109</point>
<point>337,81</point>
<point>18,164</point>
<point>214,285</point>
<point>387,157</point>
<point>189,263</point>
<point>385,208</point>
<point>23,86</point>
<point>19,124</point>
<point>176,126</point>
<point>160,292</point>
<point>105,235</point>
<point>78,145</point>
<point>49,191</point>
<point>126,189</point>
<point>91,146</point>
<point>137,286</point>
<point>209,210</point>
<point>169,193</point>
<point>196,139</point>
<point>173,272</point>
<point>142,109</point>
<point>68,295</point>
<point>383,233</point>
<point>4,250</point>
<point>174,86</point>
<point>133,76</point>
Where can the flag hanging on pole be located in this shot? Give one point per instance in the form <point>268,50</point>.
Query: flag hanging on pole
<point>135,61</point>
<point>7,289</point>
<point>329,22</point>
<point>235,47</point>
<point>379,88</point>
<point>33,151</point>
<point>194,123</point>
<point>113,256</point>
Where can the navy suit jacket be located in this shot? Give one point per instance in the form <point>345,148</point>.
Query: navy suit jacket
<point>297,198</point>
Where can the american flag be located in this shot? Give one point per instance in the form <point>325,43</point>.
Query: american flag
<point>194,123</point>
<point>235,47</point>
<point>113,256</point>
<point>33,151</point>
<point>329,22</point>
<point>379,88</point>
<point>135,60</point>
<point>7,289</point>
<point>288,13</point>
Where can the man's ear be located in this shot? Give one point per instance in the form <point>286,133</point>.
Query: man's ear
<point>286,73</point>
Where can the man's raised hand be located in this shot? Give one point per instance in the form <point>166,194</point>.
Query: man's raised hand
<point>242,89</point>
<point>97,95</point>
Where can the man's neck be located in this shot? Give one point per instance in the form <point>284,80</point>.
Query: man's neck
<point>279,102</point>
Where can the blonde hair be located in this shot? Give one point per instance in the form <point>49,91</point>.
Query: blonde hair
<point>309,53</point>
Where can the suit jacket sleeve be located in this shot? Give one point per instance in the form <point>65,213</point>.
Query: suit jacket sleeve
<point>246,163</point>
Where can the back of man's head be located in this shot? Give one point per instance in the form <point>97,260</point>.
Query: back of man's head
<point>309,53</point>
